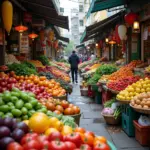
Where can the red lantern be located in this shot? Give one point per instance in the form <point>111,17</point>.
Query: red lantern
<point>130,18</point>
<point>21,28</point>
<point>33,36</point>
<point>117,35</point>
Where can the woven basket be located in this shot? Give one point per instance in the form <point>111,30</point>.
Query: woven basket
<point>123,101</point>
<point>61,97</point>
<point>111,120</point>
<point>113,91</point>
<point>141,110</point>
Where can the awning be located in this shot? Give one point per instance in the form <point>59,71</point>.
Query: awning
<point>97,29</point>
<point>98,5</point>
<point>63,39</point>
<point>46,9</point>
<point>80,46</point>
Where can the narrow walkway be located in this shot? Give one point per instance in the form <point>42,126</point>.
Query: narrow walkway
<point>92,120</point>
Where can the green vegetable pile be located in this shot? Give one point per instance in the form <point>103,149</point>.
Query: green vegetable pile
<point>44,60</point>
<point>109,103</point>
<point>63,84</point>
<point>30,65</point>
<point>105,69</point>
<point>22,69</point>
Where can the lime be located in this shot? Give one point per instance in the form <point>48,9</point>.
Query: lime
<point>10,104</point>
<point>31,94</point>
<point>7,97</point>
<point>1,114</point>
<point>4,108</point>
<point>15,94</point>
<point>24,96</point>
<point>34,102</point>
<point>28,106</point>
<point>39,106</point>
<point>19,104</point>
<point>16,112</point>
<point>24,110</point>
<point>1,102</point>
<point>15,89</point>
<point>14,99</point>
<point>8,115</point>
<point>25,117</point>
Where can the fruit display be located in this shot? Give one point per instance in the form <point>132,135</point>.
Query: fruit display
<point>147,69</point>
<point>124,71</point>
<point>56,72</point>
<point>143,85</point>
<point>104,78</point>
<point>141,101</point>
<point>60,107</point>
<point>84,64</point>
<point>3,68</point>
<point>65,85</point>
<point>10,58</point>
<point>105,69</point>
<point>121,84</point>
<point>11,132</point>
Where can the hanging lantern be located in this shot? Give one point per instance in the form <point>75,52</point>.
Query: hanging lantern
<point>122,30</point>
<point>130,18</point>
<point>117,35</point>
<point>7,15</point>
<point>21,28</point>
<point>106,40</point>
<point>96,44</point>
<point>33,36</point>
<point>136,26</point>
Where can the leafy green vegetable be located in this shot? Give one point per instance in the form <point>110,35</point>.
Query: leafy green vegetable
<point>109,103</point>
<point>21,69</point>
<point>43,59</point>
<point>30,65</point>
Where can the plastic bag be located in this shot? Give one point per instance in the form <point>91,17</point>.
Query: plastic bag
<point>144,121</point>
<point>115,105</point>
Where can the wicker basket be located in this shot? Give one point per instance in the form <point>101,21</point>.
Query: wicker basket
<point>141,110</point>
<point>123,101</point>
<point>61,97</point>
<point>113,91</point>
<point>76,118</point>
<point>111,120</point>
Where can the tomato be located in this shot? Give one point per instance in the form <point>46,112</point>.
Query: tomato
<point>45,145</point>
<point>50,106</point>
<point>55,136</point>
<point>91,133</point>
<point>68,111</point>
<point>80,130</point>
<point>14,146</point>
<point>101,139</point>
<point>28,137</point>
<point>60,108</point>
<point>70,145</point>
<point>76,109</point>
<point>88,139</point>
<point>66,130</point>
<point>75,138</point>
<point>58,145</point>
<point>33,144</point>
<point>57,112</point>
<point>64,104</point>
<point>71,105</point>
<point>42,138</point>
<point>102,146</point>
<point>85,147</point>
<point>50,130</point>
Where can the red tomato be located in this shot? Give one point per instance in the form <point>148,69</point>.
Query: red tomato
<point>88,139</point>
<point>75,138</point>
<point>101,146</point>
<point>14,146</point>
<point>33,144</point>
<point>45,145</point>
<point>91,133</point>
<point>85,147</point>
<point>42,138</point>
<point>55,136</point>
<point>58,145</point>
<point>70,145</point>
<point>28,137</point>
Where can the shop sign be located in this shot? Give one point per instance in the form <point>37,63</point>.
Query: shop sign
<point>24,43</point>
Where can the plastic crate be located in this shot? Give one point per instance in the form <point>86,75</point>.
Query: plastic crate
<point>128,115</point>
<point>98,97</point>
<point>142,134</point>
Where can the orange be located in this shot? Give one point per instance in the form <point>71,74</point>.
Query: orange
<point>53,121</point>
<point>59,125</point>
<point>50,130</point>
<point>66,130</point>
<point>101,139</point>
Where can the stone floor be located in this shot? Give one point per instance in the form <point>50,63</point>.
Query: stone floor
<point>92,120</point>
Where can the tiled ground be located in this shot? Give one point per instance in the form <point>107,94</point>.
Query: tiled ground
<point>92,120</point>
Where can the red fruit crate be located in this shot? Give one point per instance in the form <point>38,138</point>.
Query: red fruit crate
<point>142,134</point>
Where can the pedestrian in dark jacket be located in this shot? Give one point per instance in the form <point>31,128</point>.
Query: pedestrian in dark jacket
<point>74,61</point>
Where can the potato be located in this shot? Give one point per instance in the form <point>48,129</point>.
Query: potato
<point>145,107</point>
<point>139,106</point>
<point>132,103</point>
<point>148,103</point>
<point>142,103</point>
<point>138,102</point>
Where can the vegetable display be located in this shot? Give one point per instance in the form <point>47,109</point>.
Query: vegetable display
<point>43,59</point>
<point>143,85</point>
<point>105,69</point>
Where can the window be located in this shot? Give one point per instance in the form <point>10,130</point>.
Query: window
<point>81,22</point>
<point>62,9</point>
<point>80,8</point>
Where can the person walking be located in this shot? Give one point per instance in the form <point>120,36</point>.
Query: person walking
<point>74,61</point>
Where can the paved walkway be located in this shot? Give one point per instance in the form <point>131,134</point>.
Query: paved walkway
<point>92,120</point>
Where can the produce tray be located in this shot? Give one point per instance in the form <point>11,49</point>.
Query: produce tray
<point>113,91</point>
<point>111,145</point>
<point>141,110</point>
<point>61,97</point>
<point>123,101</point>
